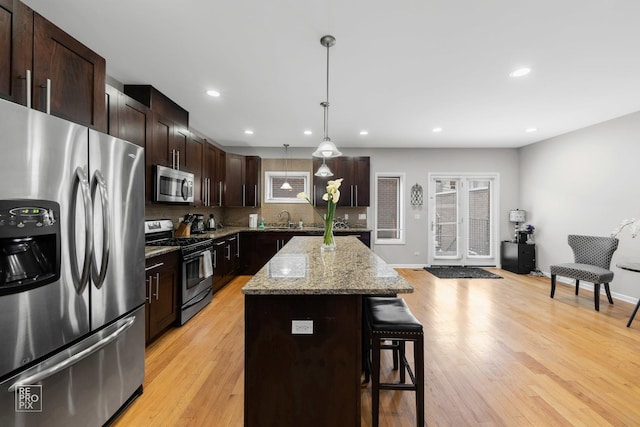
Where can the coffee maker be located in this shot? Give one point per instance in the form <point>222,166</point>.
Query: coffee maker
<point>197,226</point>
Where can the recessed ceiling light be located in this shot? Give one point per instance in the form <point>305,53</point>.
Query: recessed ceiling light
<point>364,132</point>
<point>213,93</point>
<point>520,72</point>
<point>532,129</point>
<point>436,130</point>
<point>308,132</point>
<point>248,132</point>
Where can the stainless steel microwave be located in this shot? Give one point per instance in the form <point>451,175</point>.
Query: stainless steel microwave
<point>172,185</point>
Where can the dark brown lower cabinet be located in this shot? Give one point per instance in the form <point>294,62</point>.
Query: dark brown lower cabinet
<point>162,282</point>
<point>302,380</point>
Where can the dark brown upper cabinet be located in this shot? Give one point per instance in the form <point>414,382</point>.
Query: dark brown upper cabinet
<point>45,68</point>
<point>242,182</point>
<point>355,188</point>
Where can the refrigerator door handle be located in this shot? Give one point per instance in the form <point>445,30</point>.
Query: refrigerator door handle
<point>98,182</point>
<point>82,182</point>
<point>77,356</point>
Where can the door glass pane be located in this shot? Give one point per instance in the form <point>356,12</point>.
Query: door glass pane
<point>479,235</point>
<point>446,218</point>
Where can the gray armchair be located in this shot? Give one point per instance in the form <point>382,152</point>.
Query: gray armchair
<point>592,258</point>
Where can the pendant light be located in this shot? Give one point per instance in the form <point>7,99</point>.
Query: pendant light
<point>327,148</point>
<point>285,185</point>
<point>323,170</point>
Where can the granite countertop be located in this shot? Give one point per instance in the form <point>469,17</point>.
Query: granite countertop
<point>299,268</point>
<point>153,251</point>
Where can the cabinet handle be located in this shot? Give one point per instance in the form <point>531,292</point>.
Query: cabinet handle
<point>215,259</point>
<point>178,163</point>
<point>352,196</point>
<point>150,282</point>
<point>173,159</point>
<point>219,193</point>
<point>47,99</point>
<point>28,78</point>
<point>228,252</point>
<point>238,247</point>
<point>244,194</point>
<point>208,192</point>
<point>255,196</point>
<point>157,285</point>
<point>356,195</point>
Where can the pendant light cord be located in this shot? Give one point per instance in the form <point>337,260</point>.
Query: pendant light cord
<point>326,103</point>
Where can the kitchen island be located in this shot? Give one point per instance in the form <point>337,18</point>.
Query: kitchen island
<point>303,332</point>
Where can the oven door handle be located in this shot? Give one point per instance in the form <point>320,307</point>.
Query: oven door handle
<point>196,255</point>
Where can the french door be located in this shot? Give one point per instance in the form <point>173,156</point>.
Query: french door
<point>462,218</point>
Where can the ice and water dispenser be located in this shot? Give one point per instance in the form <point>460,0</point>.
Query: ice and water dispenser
<point>29,244</point>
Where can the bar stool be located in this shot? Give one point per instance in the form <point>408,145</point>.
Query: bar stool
<point>389,319</point>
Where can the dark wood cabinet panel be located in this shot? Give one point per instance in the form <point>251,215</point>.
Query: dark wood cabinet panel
<point>234,185</point>
<point>16,49</point>
<point>213,170</point>
<point>226,260</point>
<point>219,177</point>
<point>75,73</point>
<point>324,367</point>
<point>162,282</point>
<point>252,181</point>
<point>193,162</point>
<point>6,35</point>
<point>356,186</point>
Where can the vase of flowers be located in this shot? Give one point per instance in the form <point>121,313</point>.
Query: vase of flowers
<point>529,229</point>
<point>331,197</point>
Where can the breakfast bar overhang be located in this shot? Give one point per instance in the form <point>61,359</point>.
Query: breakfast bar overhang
<point>303,332</point>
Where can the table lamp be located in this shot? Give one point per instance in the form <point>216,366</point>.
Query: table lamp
<point>517,216</point>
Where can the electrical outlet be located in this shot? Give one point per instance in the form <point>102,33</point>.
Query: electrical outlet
<point>362,216</point>
<point>346,216</point>
<point>302,327</point>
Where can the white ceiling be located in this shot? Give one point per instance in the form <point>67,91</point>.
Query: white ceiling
<point>398,69</point>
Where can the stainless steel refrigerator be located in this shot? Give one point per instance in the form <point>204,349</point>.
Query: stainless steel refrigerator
<point>71,271</point>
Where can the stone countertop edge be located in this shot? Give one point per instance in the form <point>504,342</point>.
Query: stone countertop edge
<point>300,268</point>
<point>153,251</point>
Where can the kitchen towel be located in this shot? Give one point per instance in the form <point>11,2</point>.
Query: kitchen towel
<point>206,268</point>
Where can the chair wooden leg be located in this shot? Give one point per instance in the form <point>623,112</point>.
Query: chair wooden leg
<point>375,380</point>
<point>418,357</point>
<point>596,295</point>
<point>608,291</point>
<point>577,286</point>
<point>553,285</point>
<point>402,358</point>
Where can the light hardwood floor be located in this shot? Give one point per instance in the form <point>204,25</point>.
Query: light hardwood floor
<point>498,352</point>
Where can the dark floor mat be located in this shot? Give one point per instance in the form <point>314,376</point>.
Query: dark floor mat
<point>461,273</point>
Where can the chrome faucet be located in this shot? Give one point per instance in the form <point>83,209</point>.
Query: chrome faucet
<point>289,223</point>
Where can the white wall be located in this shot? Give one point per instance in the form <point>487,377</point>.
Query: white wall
<point>584,182</point>
<point>417,164</point>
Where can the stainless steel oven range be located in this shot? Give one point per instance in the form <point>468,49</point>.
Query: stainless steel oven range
<point>197,267</point>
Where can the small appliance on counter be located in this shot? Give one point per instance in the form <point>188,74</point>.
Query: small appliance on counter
<point>253,220</point>
<point>211,224</point>
<point>197,224</point>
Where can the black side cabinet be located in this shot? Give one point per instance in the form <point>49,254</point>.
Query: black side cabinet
<point>518,258</point>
